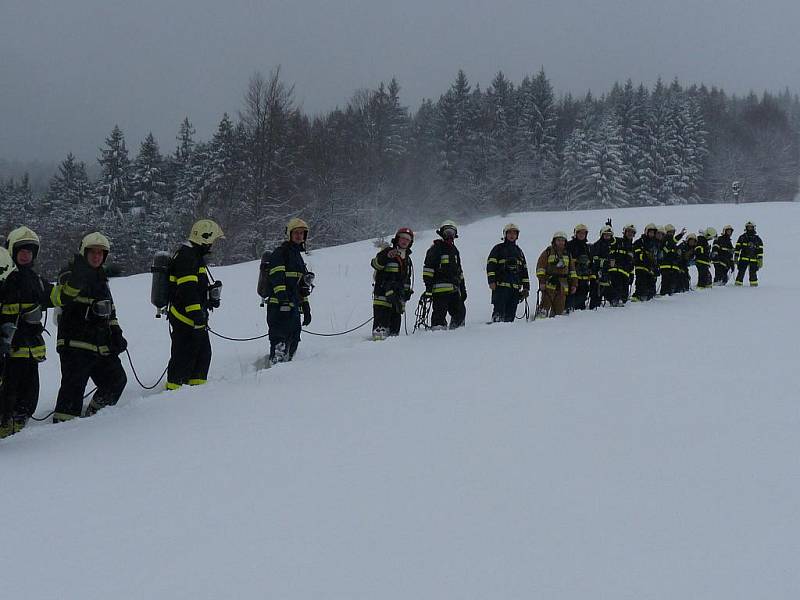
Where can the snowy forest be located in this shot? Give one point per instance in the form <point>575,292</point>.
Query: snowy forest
<point>360,171</point>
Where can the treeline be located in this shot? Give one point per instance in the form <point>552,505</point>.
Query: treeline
<point>359,171</point>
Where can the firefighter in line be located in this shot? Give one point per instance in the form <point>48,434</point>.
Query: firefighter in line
<point>580,252</point>
<point>621,272</point>
<point>669,264</point>
<point>444,279</point>
<point>749,254</point>
<point>507,275</point>
<point>24,298</point>
<point>90,338</point>
<point>646,252</point>
<point>289,283</point>
<point>392,285</point>
<point>702,257</point>
<point>601,263</point>
<point>557,277</point>
<point>722,256</point>
<point>192,296</point>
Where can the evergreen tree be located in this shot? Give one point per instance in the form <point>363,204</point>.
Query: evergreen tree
<point>114,188</point>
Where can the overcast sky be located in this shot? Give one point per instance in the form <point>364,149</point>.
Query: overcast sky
<point>71,69</point>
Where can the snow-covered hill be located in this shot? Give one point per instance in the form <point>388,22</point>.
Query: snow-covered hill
<point>645,452</point>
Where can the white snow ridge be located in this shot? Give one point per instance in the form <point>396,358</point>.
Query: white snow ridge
<point>649,452</point>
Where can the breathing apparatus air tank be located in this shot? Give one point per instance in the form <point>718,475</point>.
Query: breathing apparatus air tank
<point>159,290</point>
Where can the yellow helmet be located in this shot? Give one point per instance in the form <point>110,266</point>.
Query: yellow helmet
<point>710,233</point>
<point>580,227</point>
<point>691,236</point>
<point>205,232</point>
<point>669,228</point>
<point>22,236</point>
<point>296,223</point>
<point>95,240</point>
<point>650,226</point>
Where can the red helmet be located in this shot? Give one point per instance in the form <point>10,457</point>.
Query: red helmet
<point>405,231</point>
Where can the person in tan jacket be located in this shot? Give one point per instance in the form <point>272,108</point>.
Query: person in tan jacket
<point>557,277</point>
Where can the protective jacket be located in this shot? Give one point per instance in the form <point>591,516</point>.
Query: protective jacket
<point>88,319</point>
<point>722,251</point>
<point>442,271</point>
<point>646,251</point>
<point>622,255</point>
<point>392,278</point>
<point>581,253</point>
<point>749,248</point>
<point>556,271</point>
<point>287,270</point>
<point>188,287</point>
<point>23,298</point>
<point>507,267</point>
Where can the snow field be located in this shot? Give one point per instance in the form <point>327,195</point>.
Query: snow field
<point>644,452</point>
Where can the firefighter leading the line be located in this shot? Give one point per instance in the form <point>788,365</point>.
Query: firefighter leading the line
<point>24,298</point>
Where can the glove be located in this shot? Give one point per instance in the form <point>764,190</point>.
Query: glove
<point>7,331</point>
<point>81,273</point>
<point>118,342</point>
<point>524,294</point>
<point>463,293</point>
<point>760,262</point>
<point>493,286</point>
<point>201,319</point>
<point>393,253</point>
<point>426,295</point>
<point>306,314</point>
<point>407,294</point>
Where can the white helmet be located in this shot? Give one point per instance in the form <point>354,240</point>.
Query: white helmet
<point>448,225</point>
<point>510,227</point>
<point>559,234</point>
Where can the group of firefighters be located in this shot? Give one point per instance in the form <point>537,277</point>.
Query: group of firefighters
<point>572,274</point>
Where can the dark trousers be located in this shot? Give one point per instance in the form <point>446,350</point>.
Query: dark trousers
<point>645,285</point>
<point>668,276</point>
<point>448,303</point>
<point>743,266</point>
<point>682,280</point>
<point>19,393</point>
<point>504,302</point>
<point>77,367</point>
<point>190,356</point>
<point>599,290</point>
<point>577,301</point>
<point>386,318</point>
<point>284,330</point>
<point>619,288</point>
<point>721,273</point>
<point>703,276</point>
